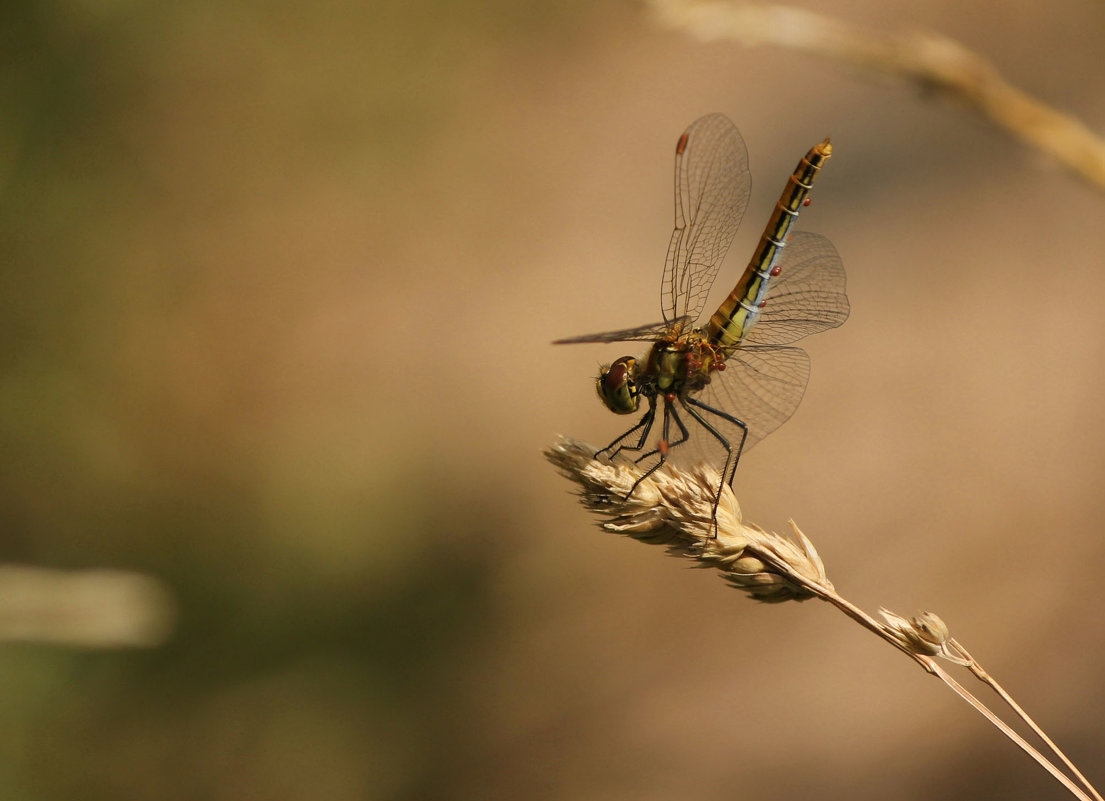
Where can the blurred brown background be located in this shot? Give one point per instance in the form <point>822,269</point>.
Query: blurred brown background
<point>279,283</point>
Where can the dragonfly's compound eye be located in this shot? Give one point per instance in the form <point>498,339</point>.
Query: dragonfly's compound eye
<point>617,387</point>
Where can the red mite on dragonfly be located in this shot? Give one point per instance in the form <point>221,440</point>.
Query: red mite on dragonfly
<point>793,286</point>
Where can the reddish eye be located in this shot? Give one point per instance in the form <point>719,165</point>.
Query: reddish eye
<point>776,270</point>
<point>615,377</point>
<point>762,303</point>
<point>807,201</point>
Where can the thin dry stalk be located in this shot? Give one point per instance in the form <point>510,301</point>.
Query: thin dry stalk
<point>673,508</point>
<point>976,668</point>
<point>927,59</point>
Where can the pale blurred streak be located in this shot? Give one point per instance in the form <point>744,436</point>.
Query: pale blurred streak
<point>84,608</point>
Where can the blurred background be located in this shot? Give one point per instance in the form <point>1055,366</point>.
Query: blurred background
<point>278,286</point>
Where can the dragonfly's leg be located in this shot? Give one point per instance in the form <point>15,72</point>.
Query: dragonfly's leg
<point>645,423</point>
<point>732,455</point>
<point>664,438</point>
<point>645,427</point>
<point>670,413</point>
<point>730,467</point>
<point>665,443</point>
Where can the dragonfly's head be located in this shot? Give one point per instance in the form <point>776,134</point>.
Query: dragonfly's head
<point>617,386</point>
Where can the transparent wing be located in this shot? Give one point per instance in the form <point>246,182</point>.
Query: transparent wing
<point>762,386</point>
<point>645,333</point>
<point>808,296</point>
<point>764,381</point>
<point>712,184</point>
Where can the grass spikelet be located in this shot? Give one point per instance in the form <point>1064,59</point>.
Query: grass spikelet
<point>674,508</point>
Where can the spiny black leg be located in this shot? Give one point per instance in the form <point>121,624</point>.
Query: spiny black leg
<point>670,413</point>
<point>728,458</point>
<point>731,470</point>
<point>668,410</point>
<point>732,457</point>
<point>663,438</point>
<point>684,434</point>
<point>645,423</point>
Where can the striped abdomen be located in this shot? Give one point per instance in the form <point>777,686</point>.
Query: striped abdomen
<point>739,312</point>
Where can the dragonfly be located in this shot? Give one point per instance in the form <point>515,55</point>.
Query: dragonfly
<point>737,377</point>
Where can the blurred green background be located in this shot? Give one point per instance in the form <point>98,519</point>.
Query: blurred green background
<point>278,285</point>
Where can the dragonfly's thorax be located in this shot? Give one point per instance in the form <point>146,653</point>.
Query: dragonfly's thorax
<point>681,365</point>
